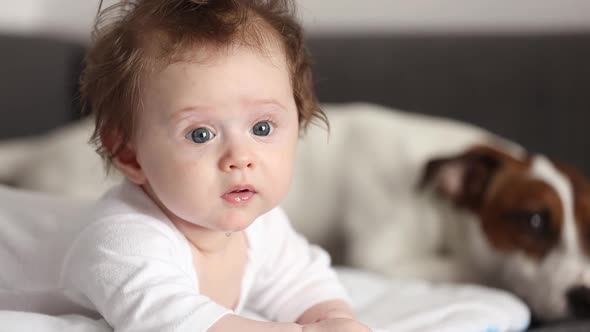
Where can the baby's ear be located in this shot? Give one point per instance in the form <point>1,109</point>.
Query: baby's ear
<point>463,178</point>
<point>126,158</point>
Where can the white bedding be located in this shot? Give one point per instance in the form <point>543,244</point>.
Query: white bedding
<point>385,305</point>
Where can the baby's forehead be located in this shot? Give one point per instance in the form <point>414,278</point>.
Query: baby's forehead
<point>207,74</point>
<point>194,61</point>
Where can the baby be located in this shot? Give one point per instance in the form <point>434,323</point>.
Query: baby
<point>199,104</point>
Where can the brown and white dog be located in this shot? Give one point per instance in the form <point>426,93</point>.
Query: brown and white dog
<point>485,211</point>
<point>520,222</point>
<point>410,196</point>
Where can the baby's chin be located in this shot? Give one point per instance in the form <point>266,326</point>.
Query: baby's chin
<point>237,221</point>
<point>224,218</point>
<point>228,222</point>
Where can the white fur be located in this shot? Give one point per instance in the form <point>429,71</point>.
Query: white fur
<point>60,162</point>
<point>361,180</point>
<point>543,169</point>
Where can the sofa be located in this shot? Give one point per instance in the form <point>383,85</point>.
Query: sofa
<point>528,88</point>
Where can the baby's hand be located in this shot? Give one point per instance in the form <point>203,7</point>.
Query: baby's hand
<point>336,325</point>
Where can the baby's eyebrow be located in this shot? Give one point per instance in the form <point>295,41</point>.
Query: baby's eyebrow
<point>185,112</point>
<point>264,102</point>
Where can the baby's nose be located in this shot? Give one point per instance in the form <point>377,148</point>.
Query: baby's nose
<point>578,300</point>
<point>237,157</point>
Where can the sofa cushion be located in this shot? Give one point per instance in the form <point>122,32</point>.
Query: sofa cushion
<point>38,84</point>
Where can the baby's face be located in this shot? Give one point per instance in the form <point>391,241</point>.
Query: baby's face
<point>216,138</point>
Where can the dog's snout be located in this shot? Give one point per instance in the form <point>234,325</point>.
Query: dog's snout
<point>578,299</point>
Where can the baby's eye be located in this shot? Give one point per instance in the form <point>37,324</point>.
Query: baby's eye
<point>262,128</point>
<point>200,135</point>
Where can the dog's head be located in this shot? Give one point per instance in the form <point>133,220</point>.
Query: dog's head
<point>526,223</point>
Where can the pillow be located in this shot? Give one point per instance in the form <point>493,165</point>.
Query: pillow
<point>33,226</point>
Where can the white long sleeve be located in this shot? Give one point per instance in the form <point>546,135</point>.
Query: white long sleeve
<point>293,275</point>
<point>134,273</point>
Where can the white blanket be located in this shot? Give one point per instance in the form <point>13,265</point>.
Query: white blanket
<point>385,305</point>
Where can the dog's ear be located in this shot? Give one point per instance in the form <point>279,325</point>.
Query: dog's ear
<point>464,178</point>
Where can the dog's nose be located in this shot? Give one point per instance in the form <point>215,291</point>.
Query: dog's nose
<point>578,299</point>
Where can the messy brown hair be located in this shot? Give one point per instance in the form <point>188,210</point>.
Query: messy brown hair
<point>137,37</point>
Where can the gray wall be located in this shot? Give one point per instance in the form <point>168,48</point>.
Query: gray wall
<point>73,18</point>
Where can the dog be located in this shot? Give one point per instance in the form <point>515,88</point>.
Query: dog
<point>406,195</point>
<point>519,222</point>
<point>413,196</point>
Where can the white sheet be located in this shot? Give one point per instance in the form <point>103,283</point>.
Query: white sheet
<point>400,306</point>
<point>412,306</point>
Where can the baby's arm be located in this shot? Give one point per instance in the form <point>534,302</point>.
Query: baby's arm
<point>230,323</point>
<point>326,316</point>
<point>328,310</point>
<point>295,281</point>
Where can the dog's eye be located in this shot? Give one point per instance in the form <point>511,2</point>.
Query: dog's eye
<point>536,223</point>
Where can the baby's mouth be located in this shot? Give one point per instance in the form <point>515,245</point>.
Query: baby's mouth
<point>239,195</point>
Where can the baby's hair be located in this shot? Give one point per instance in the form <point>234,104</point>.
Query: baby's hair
<point>135,38</point>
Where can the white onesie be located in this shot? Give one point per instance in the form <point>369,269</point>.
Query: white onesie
<point>128,263</point>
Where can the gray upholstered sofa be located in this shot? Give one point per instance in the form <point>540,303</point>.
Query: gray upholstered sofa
<point>532,89</point>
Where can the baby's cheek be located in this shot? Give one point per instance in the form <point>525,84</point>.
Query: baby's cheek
<point>282,182</point>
